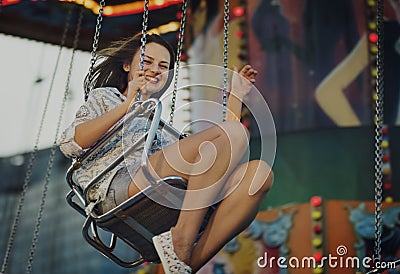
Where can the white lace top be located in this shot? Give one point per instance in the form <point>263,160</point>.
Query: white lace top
<point>100,101</point>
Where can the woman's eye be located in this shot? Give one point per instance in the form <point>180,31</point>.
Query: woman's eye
<point>147,61</point>
<point>163,67</point>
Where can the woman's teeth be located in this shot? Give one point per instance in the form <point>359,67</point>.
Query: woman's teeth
<point>152,79</point>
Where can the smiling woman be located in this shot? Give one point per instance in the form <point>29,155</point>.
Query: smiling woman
<point>211,166</point>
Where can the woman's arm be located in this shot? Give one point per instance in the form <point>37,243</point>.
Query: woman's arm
<point>241,85</point>
<point>87,133</point>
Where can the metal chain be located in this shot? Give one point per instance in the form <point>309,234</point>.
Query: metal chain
<point>378,134</point>
<point>143,40</point>
<point>177,60</point>
<point>54,146</point>
<point>226,40</point>
<point>94,47</point>
<point>32,158</point>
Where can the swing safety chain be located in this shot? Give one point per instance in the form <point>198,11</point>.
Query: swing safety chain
<point>378,135</point>
<point>378,143</point>
<point>95,47</point>
<point>225,55</point>
<point>177,61</point>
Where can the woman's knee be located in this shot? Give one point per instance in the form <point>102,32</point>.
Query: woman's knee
<point>236,132</point>
<point>262,177</point>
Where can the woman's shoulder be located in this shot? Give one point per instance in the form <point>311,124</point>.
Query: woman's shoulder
<point>108,93</point>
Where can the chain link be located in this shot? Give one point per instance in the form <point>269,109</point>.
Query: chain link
<point>177,60</point>
<point>33,154</point>
<point>378,134</point>
<point>143,40</point>
<point>225,56</point>
<point>54,146</point>
<point>95,47</point>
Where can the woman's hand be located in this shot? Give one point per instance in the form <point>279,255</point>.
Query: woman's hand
<point>241,85</point>
<point>138,82</point>
<point>243,80</point>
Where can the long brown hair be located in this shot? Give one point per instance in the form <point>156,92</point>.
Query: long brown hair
<point>108,70</point>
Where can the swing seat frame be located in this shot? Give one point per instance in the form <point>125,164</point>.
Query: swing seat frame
<point>137,220</point>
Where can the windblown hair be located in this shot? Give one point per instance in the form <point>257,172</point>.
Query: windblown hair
<point>108,70</point>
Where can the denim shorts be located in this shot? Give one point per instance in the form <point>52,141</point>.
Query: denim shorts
<point>118,191</point>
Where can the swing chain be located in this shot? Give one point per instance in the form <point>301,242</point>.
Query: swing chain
<point>225,56</point>
<point>378,134</point>
<point>54,147</point>
<point>95,46</point>
<point>177,61</point>
<point>33,154</point>
<point>143,40</point>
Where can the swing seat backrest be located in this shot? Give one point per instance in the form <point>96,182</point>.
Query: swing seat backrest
<point>137,220</point>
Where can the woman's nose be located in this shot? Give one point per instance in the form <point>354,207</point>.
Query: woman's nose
<point>154,68</point>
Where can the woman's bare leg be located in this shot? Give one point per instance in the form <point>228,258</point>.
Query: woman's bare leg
<point>215,148</point>
<point>235,212</point>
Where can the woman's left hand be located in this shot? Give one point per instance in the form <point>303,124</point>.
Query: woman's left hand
<point>243,80</point>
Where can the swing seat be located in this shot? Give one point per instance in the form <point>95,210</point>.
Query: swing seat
<point>137,220</point>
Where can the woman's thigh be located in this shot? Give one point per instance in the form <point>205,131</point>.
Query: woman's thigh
<point>178,158</point>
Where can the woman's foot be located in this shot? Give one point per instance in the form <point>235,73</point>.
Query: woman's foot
<point>169,259</point>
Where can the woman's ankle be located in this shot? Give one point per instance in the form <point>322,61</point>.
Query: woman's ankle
<point>182,246</point>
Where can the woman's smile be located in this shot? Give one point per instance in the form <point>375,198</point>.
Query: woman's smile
<point>152,79</point>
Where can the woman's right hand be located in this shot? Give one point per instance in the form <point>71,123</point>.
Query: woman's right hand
<point>135,84</point>
<point>243,80</point>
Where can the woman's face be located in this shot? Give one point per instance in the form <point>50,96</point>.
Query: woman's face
<point>156,65</point>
